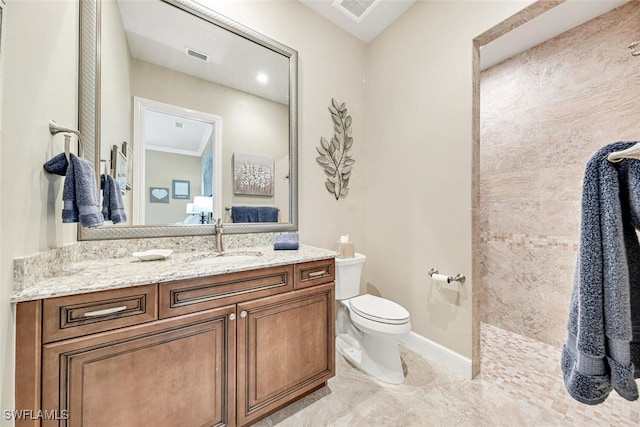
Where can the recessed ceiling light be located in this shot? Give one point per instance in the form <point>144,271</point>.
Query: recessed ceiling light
<point>262,78</point>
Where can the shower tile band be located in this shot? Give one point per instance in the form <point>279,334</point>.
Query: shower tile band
<point>529,240</point>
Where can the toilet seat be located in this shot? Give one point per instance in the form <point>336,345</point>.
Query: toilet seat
<point>379,309</point>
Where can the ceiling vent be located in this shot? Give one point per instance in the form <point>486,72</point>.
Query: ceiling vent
<point>199,55</point>
<point>356,10</point>
<point>179,125</point>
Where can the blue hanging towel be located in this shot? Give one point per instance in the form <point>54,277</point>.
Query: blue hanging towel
<point>603,345</point>
<point>80,195</point>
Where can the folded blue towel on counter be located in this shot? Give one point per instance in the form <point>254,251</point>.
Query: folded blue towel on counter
<point>288,242</point>
<point>80,195</point>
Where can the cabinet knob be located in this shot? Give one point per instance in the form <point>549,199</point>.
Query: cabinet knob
<point>243,313</point>
<point>232,316</point>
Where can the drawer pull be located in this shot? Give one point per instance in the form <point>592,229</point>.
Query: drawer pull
<point>105,311</point>
<point>316,274</point>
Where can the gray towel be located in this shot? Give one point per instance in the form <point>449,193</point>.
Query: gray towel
<point>287,242</point>
<point>267,214</point>
<point>57,165</point>
<point>254,214</point>
<point>244,214</point>
<point>80,195</point>
<point>604,318</point>
<point>112,203</point>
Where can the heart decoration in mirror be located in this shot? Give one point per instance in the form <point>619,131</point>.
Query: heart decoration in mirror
<point>335,156</point>
<point>159,195</point>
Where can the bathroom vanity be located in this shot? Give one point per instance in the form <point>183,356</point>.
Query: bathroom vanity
<point>203,344</point>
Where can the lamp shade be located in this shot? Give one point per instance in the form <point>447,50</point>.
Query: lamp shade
<point>202,204</point>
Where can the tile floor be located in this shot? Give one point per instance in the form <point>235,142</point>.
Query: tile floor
<point>520,385</point>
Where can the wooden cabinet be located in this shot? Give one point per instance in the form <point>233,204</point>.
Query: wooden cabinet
<point>177,372</point>
<point>219,350</point>
<point>285,349</point>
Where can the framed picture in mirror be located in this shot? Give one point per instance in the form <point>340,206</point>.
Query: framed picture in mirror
<point>119,168</point>
<point>252,175</point>
<point>181,189</point>
<point>127,150</point>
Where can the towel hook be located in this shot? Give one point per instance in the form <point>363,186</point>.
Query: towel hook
<point>632,152</point>
<point>55,128</point>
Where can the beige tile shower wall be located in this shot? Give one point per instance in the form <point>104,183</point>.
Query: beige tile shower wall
<point>543,113</point>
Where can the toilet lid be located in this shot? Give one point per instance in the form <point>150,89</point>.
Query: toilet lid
<point>379,309</point>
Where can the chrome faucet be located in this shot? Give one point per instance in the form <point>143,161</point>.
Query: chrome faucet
<point>217,243</point>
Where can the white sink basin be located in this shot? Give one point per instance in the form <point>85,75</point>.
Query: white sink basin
<point>226,258</point>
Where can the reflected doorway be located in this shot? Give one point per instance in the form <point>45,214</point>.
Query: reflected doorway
<point>177,157</point>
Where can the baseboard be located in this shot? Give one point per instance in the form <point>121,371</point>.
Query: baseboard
<point>433,351</point>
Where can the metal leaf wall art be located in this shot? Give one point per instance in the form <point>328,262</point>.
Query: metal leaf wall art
<point>335,156</point>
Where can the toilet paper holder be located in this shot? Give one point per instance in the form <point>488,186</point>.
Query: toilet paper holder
<point>457,278</point>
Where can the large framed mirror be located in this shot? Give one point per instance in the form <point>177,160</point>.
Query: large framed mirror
<point>193,115</point>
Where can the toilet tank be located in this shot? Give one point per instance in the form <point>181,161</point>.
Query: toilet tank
<point>348,272</point>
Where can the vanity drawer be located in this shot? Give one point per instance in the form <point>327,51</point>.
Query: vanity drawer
<point>314,273</point>
<point>76,315</point>
<point>191,295</point>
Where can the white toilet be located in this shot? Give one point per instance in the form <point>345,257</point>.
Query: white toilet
<point>368,327</point>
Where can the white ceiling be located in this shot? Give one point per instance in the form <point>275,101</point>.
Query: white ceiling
<point>175,134</point>
<point>156,33</point>
<point>380,16</point>
<point>561,18</point>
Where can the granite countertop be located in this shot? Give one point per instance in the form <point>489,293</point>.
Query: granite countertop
<point>112,273</point>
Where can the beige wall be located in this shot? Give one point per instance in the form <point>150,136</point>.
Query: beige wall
<point>6,316</point>
<point>43,87</point>
<point>543,113</point>
<point>115,96</point>
<point>418,196</point>
<point>181,167</point>
<point>250,124</point>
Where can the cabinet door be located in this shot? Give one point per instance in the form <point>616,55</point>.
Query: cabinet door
<point>285,349</point>
<point>174,372</point>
